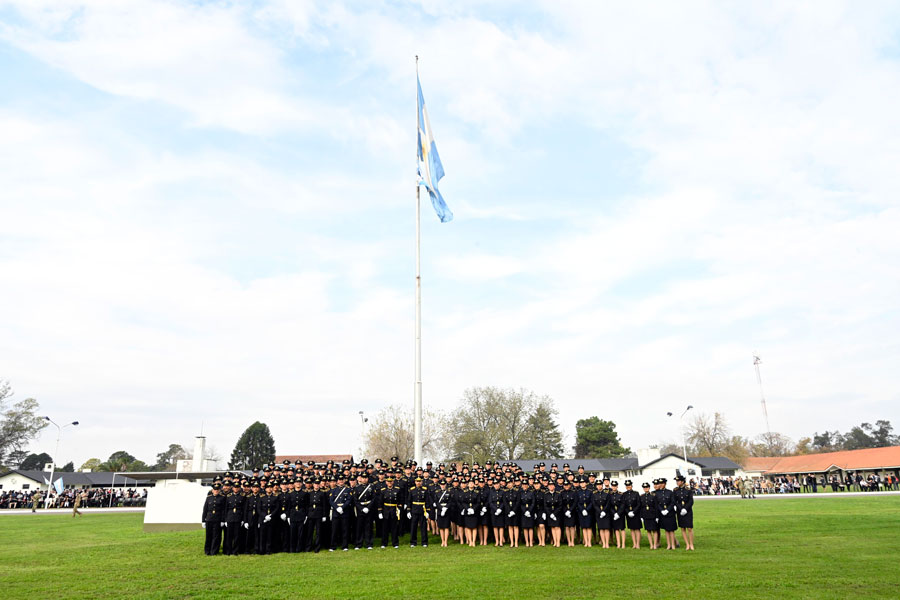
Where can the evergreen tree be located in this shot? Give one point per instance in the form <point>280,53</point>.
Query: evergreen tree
<point>254,448</point>
<point>596,438</point>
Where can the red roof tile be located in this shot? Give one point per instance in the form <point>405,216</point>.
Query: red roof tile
<point>847,460</point>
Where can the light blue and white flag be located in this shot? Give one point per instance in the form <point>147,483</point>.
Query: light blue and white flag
<point>430,169</point>
<point>58,485</point>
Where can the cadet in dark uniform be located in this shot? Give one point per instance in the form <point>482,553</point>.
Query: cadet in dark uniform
<point>632,502</point>
<point>415,508</point>
<point>665,501</point>
<point>470,504</point>
<point>552,503</point>
<point>364,501</point>
<point>584,509</point>
<point>389,512</point>
<point>444,507</point>
<point>526,506</point>
<point>511,512</point>
<point>569,518</point>
<point>212,519</point>
<point>234,515</point>
<point>601,513</point>
<point>298,501</point>
<point>341,502</point>
<point>650,515</point>
<point>484,516</point>
<point>684,507</point>
<point>318,515</point>
<point>540,511</point>
<point>268,508</point>
<point>617,510</point>
<point>251,519</point>
<point>495,507</point>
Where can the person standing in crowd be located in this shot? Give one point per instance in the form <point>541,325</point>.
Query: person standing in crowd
<point>298,508</point>
<point>617,510</point>
<point>667,521</point>
<point>569,518</point>
<point>684,506</point>
<point>234,514</point>
<point>511,501</point>
<point>365,504</point>
<point>650,515</point>
<point>552,503</point>
<point>444,509</point>
<point>212,520</point>
<point>251,519</point>
<point>268,508</point>
<point>470,507</point>
<point>601,513</point>
<point>632,503</point>
<point>540,513</point>
<point>416,512</point>
<point>340,500</point>
<point>495,507</point>
<point>526,507</point>
<point>585,509</point>
<point>389,513</point>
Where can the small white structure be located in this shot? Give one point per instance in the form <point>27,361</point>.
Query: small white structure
<point>174,505</point>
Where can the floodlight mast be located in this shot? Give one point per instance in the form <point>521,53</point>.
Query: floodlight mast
<point>756,362</point>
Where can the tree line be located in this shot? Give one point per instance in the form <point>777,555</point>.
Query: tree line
<point>490,423</point>
<point>711,435</point>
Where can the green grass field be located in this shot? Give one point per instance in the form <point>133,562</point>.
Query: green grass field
<point>792,547</point>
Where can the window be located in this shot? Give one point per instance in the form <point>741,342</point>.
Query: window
<point>25,486</point>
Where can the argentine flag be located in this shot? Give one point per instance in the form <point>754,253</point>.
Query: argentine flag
<point>58,485</point>
<point>430,169</point>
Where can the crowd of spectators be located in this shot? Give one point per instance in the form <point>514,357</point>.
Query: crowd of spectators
<point>90,498</point>
<point>791,484</point>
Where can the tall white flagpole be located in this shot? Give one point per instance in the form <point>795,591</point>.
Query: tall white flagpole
<point>418,387</point>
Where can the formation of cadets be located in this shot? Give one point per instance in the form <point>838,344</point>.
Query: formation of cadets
<point>308,508</point>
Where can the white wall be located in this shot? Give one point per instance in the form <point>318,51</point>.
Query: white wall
<point>174,502</point>
<point>12,482</point>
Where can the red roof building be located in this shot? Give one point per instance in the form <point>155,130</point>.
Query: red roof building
<point>866,459</point>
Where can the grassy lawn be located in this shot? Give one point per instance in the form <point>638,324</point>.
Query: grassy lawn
<point>792,547</point>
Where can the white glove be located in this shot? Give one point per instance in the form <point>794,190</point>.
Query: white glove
<point>583,513</point>
<point>527,514</point>
<point>380,516</point>
<point>552,516</point>
<point>223,524</point>
<point>323,519</point>
<point>305,519</point>
<point>246,525</point>
<point>663,512</point>
<point>544,516</point>
<point>483,509</point>
<point>511,514</point>
<point>630,513</point>
<point>602,513</point>
<point>471,511</point>
<point>365,510</point>
<point>616,517</point>
<point>409,515</point>
<point>683,511</point>
<point>657,519</point>
<point>203,525</point>
<point>568,513</point>
<point>289,520</point>
<point>267,519</point>
<point>340,510</point>
<point>443,511</point>
<point>284,516</point>
<point>497,512</point>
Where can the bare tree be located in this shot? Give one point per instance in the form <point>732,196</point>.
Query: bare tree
<point>392,433</point>
<point>709,435</point>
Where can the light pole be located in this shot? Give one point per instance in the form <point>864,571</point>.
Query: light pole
<point>362,437</point>
<point>55,455</point>
<point>683,444</point>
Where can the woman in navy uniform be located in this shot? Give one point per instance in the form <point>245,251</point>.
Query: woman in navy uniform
<point>552,503</point>
<point>540,512</point>
<point>470,506</point>
<point>511,509</point>
<point>526,507</point>
<point>650,515</point>
<point>617,510</point>
<point>601,514</point>
<point>584,511</point>
<point>632,501</point>
<point>684,507</point>
<point>484,518</point>
<point>496,497</point>
<point>445,508</point>
<point>665,501</point>
<point>569,518</point>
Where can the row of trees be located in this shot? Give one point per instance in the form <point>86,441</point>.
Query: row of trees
<point>490,423</point>
<point>711,435</point>
<point>19,424</point>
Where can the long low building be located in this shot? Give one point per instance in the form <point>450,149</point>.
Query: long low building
<point>880,461</point>
<point>18,480</point>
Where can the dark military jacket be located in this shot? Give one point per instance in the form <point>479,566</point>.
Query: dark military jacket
<point>214,509</point>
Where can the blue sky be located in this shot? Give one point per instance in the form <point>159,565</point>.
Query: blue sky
<point>208,214</point>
